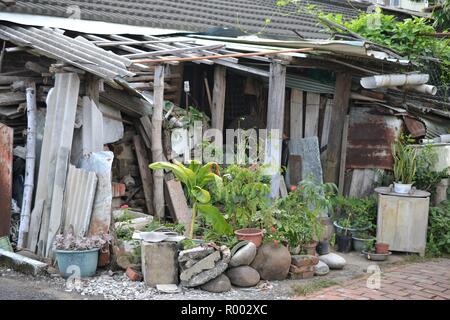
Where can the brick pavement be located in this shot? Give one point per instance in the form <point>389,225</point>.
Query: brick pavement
<point>417,281</point>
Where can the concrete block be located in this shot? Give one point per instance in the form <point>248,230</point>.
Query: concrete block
<point>21,264</point>
<point>159,263</point>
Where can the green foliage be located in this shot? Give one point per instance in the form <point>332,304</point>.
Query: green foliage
<point>305,289</point>
<point>405,160</point>
<point>196,178</point>
<point>297,214</point>
<point>245,196</point>
<point>155,224</point>
<point>427,179</point>
<point>438,235</point>
<point>442,16</point>
<point>357,213</point>
<point>125,232</point>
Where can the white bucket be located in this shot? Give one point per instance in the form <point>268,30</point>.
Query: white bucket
<point>402,187</point>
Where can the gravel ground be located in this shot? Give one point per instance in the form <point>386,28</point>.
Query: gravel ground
<point>117,286</point>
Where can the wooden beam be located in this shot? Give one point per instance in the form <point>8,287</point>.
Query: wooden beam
<point>339,110</point>
<point>146,175</point>
<point>296,118</point>
<point>312,114</point>
<point>343,156</point>
<point>275,121</point>
<point>218,99</point>
<point>156,138</point>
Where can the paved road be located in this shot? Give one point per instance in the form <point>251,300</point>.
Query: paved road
<point>14,286</point>
<point>417,281</point>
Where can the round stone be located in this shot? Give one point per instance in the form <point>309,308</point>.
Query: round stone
<point>321,269</point>
<point>243,276</point>
<point>333,261</point>
<point>244,255</point>
<point>217,285</point>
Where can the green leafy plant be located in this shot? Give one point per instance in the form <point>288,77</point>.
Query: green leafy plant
<point>297,215</point>
<point>245,196</point>
<point>357,213</point>
<point>426,178</point>
<point>438,242</point>
<point>196,178</point>
<point>405,161</point>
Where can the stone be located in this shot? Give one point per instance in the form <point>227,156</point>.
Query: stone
<point>304,260</point>
<point>205,264</point>
<point>244,255</point>
<point>272,262</point>
<point>196,253</point>
<point>321,269</point>
<point>167,288</point>
<point>243,276</point>
<point>333,261</point>
<point>217,285</point>
<point>22,264</point>
<point>295,269</point>
<point>159,263</point>
<point>207,275</point>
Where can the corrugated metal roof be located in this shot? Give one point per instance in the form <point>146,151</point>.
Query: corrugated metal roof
<point>77,52</point>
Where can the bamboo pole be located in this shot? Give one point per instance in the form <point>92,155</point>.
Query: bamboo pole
<point>231,55</point>
<point>157,145</point>
<point>30,166</point>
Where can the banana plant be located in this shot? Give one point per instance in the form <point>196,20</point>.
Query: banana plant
<point>196,178</point>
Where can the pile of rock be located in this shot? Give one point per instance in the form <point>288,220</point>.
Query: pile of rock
<point>240,273</point>
<point>200,265</point>
<point>302,266</point>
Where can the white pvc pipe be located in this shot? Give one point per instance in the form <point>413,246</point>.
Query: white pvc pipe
<point>393,80</point>
<point>423,88</point>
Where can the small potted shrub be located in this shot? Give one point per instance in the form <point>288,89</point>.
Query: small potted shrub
<point>81,252</point>
<point>405,164</point>
<point>380,253</point>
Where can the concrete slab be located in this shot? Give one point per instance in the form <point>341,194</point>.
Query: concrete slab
<point>22,264</point>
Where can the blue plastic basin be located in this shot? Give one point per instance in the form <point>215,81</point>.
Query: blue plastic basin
<point>77,263</point>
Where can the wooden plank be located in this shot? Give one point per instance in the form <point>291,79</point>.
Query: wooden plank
<point>296,118</point>
<point>218,100</point>
<point>11,98</point>
<point>146,175</point>
<point>156,140</point>
<point>6,160</point>
<point>341,102</point>
<point>312,114</point>
<point>326,124</point>
<point>343,155</point>
<point>177,203</point>
<point>275,121</point>
<point>172,51</point>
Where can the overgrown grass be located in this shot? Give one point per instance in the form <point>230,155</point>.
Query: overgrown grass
<point>308,288</point>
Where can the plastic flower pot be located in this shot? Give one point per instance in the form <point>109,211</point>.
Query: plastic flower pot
<point>72,262</point>
<point>382,248</point>
<point>344,230</point>
<point>344,243</point>
<point>360,244</point>
<point>402,187</point>
<point>251,234</point>
<point>323,247</point>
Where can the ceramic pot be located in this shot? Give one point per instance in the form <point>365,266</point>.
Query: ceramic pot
<point>402,187</point>
<point>310,248</point>
<point>344,243</point>
<point>323,247</point>
<point>382,248</point>
<point>251,234</point>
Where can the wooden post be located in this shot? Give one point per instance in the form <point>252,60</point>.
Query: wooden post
<point>339,111</point>
<point>93,88</point>
<point>218,100</point>
<point>146,175</point>
<point>296,117</point>
<point>157,144</point>
<point>343,156</point>
<point>275,121</point>
<point>30,165</point>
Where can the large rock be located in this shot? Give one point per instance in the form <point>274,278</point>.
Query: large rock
<point>204,264</point>
<point>272,262</point>
<point>333,261</point>
<point>196,253</point>
<point>207,275</point>
<point>304,260</point>
<point>321,269</point>
<point>244,255</point>
<point>218,285</point>
<point>243,276</point>
<point>159,263</point>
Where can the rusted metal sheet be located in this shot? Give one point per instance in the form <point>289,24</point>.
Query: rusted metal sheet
<point>6,156</point>
<point>415,127</point>
<point>118,189</point>
<point>370,137</point>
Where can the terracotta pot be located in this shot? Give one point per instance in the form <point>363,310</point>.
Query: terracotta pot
<point>104,257</point>
<point>310,248</point>
<point>381,248</point>
<point>251,234</point>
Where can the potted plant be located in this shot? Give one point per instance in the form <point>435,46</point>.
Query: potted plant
<point>299,215</point>
<point>245,200</point>
<point>81,252</point>
<point>405,164</point>
<point>373,255</point>
<point>362,241</point>
<point>196,179</point>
